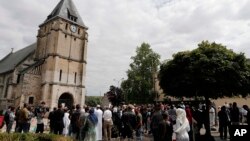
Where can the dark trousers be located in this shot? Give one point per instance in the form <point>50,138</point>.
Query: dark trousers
<point>223,131</point>
<point>40,128</point>
<point>24,127</point>
<point>58,130</point>
<point>127,132</point>
<point>156,135</point>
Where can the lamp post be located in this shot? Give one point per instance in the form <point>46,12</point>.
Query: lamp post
<point>118,81</point>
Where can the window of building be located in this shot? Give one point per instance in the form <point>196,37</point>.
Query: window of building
<point>66,27</point>
<point>75,77</point>
<point>71,16</point>
<point>79,31</point>
<point>18,78</point>
<point>60,75</point>
<point>74,39</point>
<point>65,35</point>
<point>31,100</point>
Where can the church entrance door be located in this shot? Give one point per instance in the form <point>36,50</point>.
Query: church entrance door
<point>66,100</point>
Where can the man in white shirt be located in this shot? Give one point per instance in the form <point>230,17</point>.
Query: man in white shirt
<point>98,128</point>
<point>108,122</point>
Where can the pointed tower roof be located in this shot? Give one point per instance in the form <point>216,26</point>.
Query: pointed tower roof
<point>66,9</point>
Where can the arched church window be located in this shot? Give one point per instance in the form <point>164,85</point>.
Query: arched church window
<point>31,100</point>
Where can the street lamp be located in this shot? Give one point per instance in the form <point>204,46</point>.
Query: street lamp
<point>118,81</point>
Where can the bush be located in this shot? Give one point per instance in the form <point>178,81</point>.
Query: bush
<point>32,137</point>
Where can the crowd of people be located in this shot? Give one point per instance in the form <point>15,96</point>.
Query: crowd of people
<point>165,122</point>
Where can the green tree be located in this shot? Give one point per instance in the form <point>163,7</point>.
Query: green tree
<point>138,88</point>
<point>210,71</point>
<point>93,100</point>
<point>115,96</point>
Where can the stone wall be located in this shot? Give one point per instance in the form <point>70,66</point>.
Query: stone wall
<point>31,87</point>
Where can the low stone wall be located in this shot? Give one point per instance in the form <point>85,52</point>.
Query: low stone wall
<point>240,101</point>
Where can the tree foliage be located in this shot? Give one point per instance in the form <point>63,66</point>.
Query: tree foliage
<point>115,96</point>
<point>93,100</point>
<point>139,85</point>
<point>211,70</point>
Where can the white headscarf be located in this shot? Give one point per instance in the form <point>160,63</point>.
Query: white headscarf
<point>181,116</point>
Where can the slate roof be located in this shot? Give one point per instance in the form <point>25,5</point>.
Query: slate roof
<point>9,62</point>
<point>63,9</point>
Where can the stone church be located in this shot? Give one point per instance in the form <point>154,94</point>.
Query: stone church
<point>53,69</point>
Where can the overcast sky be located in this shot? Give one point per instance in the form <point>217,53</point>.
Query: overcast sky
<point>117,27</point>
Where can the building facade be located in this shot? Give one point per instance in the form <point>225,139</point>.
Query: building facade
<point>53,69</point>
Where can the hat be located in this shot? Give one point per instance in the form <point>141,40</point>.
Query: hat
<point>98,106</point>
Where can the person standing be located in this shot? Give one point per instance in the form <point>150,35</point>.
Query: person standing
<point>23,119</point>
<point>99,113</point>
<point>108,122</point>
<point>190,120</point>
<point>223,122</point>
<point>182,126</point>
<point>138,129</point>
<point>30,116</point>
<point>7,116</point>
<point>39,113</point>
<point>75,118</point>
<point>66,122</point>
<point>52,120</point>
<point>92,121</point>
<point>83,124</point>
<point>212,116</point>
<point>166,127</point>
<point>59,114</point>
<point>235,114</point>
<point>156,119</point>
<point>128,122</point>
<point>17,114</point>
<point>11,119</point>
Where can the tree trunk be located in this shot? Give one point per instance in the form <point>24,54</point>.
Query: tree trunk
<point>207,120</point>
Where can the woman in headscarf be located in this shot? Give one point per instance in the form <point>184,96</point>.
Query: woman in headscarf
<point>66,122</point>
<point>92,121</point>
<point>182,126</point>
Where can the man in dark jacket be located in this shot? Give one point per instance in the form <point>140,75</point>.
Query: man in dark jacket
<point>75,121</point>
<point>52,120</point>
<point>156,120</point>
<point>166,127</point>
<point>128,123</point>
<point>59,120</point>
<point>223,122</point>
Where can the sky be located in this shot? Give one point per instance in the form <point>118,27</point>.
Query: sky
<point>117,27</point>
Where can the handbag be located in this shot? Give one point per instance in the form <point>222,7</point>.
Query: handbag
<point>202,130</point>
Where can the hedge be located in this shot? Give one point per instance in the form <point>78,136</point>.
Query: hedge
<point>32,137</point>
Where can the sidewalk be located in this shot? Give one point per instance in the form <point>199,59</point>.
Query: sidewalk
<point>216,136</point>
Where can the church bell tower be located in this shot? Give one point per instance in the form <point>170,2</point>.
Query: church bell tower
<point>62,46</point>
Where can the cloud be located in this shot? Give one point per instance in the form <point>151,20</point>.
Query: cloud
<point>117,27</point>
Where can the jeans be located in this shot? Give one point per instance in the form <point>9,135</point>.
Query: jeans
<point>9,126</point>
<point>138,133</point>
